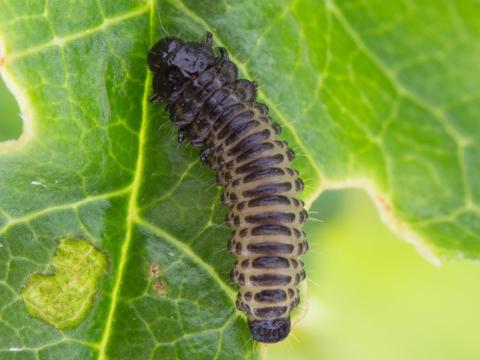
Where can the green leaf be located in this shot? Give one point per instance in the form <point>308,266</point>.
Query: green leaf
<point>371,94</point>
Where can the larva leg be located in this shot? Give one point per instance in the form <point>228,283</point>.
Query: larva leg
<point>223,54</point>
<point>155,99</point>
<point>205,157</point>
<point>181,135</point>
<point>208,39</point>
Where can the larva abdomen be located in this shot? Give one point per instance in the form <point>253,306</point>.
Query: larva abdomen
<point>219,113</point>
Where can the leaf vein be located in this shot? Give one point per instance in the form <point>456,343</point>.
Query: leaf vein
<point>60,41</point>
<point>73,205</point>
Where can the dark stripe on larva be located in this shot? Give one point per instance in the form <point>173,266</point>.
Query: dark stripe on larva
<point>273,217</point>
<point>268,189</point>
<point>271,296</point>
<point>259,164</point>
<point>271,230</point>
<point>240,131</point>
<point>270,312</point>
<point>262,174</point>
<point>249,154</point>
<point>228,114</point>
<point>249,141</point>
<point>235,124</point>
<point>270,248</point>
<point>269,201</point>
<point>270,280</point>
<point>270,262</point>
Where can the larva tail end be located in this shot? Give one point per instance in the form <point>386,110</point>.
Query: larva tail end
<point>270,331</point>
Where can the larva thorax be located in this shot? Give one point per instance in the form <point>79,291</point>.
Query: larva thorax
<point>219,113</point>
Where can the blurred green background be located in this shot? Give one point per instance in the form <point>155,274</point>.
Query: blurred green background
<point>371,296</point>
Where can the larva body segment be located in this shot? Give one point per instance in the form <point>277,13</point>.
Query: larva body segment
<point>219,113</point>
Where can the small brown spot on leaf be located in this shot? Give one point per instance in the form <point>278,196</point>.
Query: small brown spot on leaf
<point>159,287</point>
<point>154,271</point>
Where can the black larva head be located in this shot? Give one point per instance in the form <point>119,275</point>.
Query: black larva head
<point>174,60</point>
<point>269,331</point>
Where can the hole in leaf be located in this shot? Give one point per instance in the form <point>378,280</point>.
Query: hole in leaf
<point>11,125</point>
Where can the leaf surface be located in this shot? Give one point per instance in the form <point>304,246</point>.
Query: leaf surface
<point>378,95</point>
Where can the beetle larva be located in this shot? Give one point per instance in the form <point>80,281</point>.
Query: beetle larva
<point>219,113</point>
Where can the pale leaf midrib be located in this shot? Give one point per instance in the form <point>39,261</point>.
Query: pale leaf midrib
<point>132,206</point>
